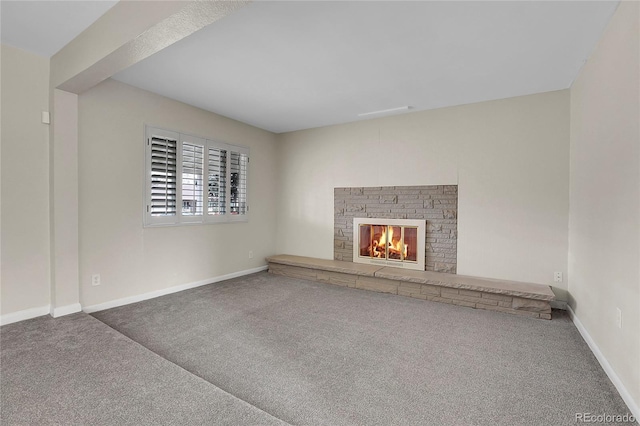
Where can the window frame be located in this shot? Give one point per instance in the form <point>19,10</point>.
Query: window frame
<point>180,219</point>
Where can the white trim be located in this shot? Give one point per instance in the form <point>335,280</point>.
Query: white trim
<point>24,315</point>
<point>65,310</point>
<point>622,390</point>
<point>170,290</point>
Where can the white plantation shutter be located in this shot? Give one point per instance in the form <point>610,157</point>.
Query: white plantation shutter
<point>192,180</point>
<point>162,154</point>
<point>163,176</point>
<point>192,176</point>
<point>238,182</point>
<point>217,181</point>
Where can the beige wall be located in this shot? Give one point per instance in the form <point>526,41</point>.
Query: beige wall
<point>63,184</point>
<point>604,244</point>
<point>509,157</point>
<point>133,260</point>
<point>25,181</point>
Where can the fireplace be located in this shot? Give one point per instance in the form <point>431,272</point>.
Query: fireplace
<point>435,204</point>
<point>391,242</point>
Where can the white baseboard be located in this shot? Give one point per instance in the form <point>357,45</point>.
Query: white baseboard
<point>65,310</point>
<point>165,291</point>
<point>24,315</point>
<point>622,390</point>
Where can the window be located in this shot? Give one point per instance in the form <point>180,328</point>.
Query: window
<point>217,182</point>
<point>238,204</point>
<point>206,179</point>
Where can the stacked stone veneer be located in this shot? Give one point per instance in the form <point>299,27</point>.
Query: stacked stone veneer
<point>438,204</point>
<point>379,279</point>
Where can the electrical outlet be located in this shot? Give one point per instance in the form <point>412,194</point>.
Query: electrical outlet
<point>95,279</point>
<point>618,317</point>
<point>250,254</point>
<point>557,277</point>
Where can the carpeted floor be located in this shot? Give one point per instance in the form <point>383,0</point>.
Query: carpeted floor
<point>267,349</point>
<point>75,370</point>
<point>315,354</point>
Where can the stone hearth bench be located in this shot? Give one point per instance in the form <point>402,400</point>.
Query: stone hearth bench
<point>532,300</point>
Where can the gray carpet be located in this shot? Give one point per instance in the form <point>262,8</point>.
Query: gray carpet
<point>76,370</point>
<point>311,353</point>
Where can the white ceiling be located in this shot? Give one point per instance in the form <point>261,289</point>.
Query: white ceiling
<point>286,66</point>
<point>44,27</point>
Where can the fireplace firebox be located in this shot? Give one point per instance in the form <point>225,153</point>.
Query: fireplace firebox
<point>391,242</point>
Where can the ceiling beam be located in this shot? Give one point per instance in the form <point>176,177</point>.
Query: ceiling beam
<point>127,33</point>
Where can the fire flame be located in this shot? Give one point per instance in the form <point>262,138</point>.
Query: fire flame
<point>386,240</point>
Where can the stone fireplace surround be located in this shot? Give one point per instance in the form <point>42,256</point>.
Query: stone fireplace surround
<point>437,204</point>
<point>531,300</point>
